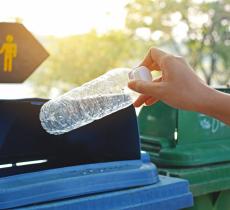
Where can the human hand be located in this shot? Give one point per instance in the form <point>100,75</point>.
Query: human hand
<point>177,86</point>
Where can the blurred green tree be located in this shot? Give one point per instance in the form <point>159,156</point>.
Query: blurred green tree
<point>77,59</point>
<point>197,29</point>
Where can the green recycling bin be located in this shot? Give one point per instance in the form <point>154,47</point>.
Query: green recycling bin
<point>192,146</point>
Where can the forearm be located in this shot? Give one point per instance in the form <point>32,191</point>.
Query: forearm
<point>216,104</point>
<point>180,87</point>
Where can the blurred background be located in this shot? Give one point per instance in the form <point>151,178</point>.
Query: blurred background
<point>86,38</point>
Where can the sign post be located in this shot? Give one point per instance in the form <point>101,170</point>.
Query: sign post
<point>20,53</point>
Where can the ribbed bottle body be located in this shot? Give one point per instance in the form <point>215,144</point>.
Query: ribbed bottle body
<point>91,101</point>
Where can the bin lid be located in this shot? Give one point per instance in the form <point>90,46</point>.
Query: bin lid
<point>168,194</point>
<point>182,138</point>
<point>72,181</point>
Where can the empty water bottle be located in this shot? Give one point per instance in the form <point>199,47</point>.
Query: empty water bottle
<point>91,101</point>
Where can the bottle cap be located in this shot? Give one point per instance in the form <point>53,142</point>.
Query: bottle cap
<point>140,73</point>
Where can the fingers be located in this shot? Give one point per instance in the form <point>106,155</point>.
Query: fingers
<point>157,55</point>
<point>153,59</point>
<point>150,90</point>
<point>141,99</point>
<point>148,100</point>
<point>145,87</point>
<point>149,62</point>
<point>151,101</point>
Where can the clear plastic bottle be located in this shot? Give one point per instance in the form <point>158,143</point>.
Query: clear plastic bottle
<point>91,101</point>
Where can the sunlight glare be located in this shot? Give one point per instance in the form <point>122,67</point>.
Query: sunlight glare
<point>65,17</point>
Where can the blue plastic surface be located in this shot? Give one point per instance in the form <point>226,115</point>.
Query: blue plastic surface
<point>72,181</point>
<point>94,167</point>
<point>167,194</point>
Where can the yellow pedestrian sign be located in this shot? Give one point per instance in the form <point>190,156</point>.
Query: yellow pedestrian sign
<point>20,53</point>
<point>9,51</point>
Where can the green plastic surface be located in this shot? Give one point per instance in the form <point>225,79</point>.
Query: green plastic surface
<point>203,180</point>
<point>209,184</point>
<point>223,201</point>
<point>196,128</point>
<point>214,201</point>
<point>202,203</point>
<point>191,146</point>
<point>183,138</point>
<point>158,121</point>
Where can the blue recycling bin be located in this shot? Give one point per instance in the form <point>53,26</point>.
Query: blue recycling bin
<point>98,166</point>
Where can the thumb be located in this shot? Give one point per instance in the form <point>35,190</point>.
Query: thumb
<point>145,87</point>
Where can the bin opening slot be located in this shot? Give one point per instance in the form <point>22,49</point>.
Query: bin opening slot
<point>22,139</point>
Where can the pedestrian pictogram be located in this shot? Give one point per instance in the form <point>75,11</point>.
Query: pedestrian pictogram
<point>20,53</point>
<point>9,51</point>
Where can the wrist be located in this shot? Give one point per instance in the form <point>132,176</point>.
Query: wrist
<point>208,101</point>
